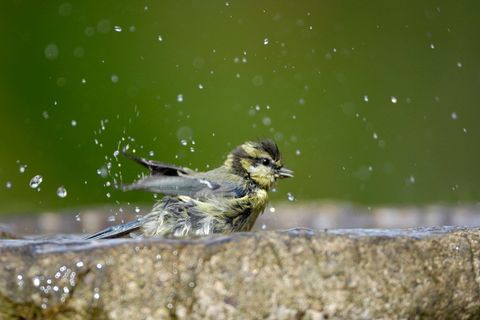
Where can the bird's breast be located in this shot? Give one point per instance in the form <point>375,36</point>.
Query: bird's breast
<point>258,201</point>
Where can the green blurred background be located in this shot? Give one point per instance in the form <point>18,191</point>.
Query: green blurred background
<point>371,102</point>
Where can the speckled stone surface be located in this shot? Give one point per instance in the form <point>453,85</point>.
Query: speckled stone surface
<point>295,274</point>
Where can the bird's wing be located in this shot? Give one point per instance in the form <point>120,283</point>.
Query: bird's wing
<point>116,231</point>
<point>159,168</point>
<point>193,186</point>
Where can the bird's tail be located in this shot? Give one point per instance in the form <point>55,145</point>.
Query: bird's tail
<point>116,231</point>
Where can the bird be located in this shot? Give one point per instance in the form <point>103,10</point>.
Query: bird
<point>222,200</point>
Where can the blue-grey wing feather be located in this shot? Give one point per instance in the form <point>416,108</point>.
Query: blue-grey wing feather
<point>116,231</point>
<point>159,168</point>
<point>198,187</point>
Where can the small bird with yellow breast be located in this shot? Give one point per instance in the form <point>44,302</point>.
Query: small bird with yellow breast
<point>223,200</point>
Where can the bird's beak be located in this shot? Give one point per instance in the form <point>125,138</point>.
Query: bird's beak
<point>285,173</point>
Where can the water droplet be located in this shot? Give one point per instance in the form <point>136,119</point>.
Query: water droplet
<point>104,26</point>
<point>111,218</point>
<point>51,51</point>
<point>137,209</point>
<point>114,78</point>
<point>375,136</point>
<point>465,130</point>
<point>393,99</point>
<point>77,217</point>
<point>290,197</point>
<point>192,149</point>
<point>151,153</point>
<point>265,41</point>
<point>22,168</point>
<point>365,98</point>
<point>298,152</point>
<point>264,226</point>
<point>183,142</point>
<point>257,80</point>
<point>103,172</point>
<point>65,9</point>
<point>36,281</point>
<point>267,121</point>
<point>411,179</point>
<point>8,184</point>
<point>432,46</point>
<point>117,28</point>
<point>180,98</point>
<point>454,116</point>
<point>74,123</point>
<point>200,86</point>
<point>459,64</point>
<point>272,209</point>
<point>79,264</point>
<point>36,181</point>
<point>160,38</point>
<point>61,192</point>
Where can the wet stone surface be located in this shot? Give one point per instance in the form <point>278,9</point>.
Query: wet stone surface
<point>297,274</point>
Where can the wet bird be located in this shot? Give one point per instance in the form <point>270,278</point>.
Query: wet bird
<point>223,200</point>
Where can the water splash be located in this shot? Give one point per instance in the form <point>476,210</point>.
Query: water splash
<point>61,192</point>
<point>36,181</point>
<point>290,197</point>
<point>22,168</point>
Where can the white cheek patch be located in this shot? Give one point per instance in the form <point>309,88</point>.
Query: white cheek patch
<point>261,171</point>
<point>256,170</point>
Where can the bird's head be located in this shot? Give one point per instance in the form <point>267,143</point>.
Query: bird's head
<point>260,161</point>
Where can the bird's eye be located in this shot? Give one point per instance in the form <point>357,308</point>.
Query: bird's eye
<point>266,162</point>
